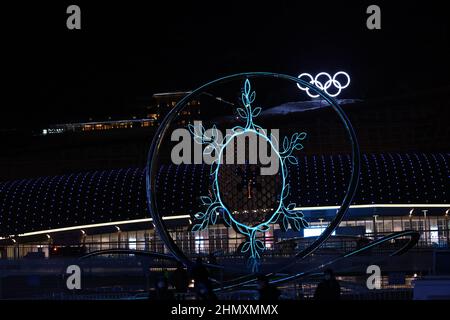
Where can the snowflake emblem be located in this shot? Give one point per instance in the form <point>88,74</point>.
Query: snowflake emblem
<point>284,214</point>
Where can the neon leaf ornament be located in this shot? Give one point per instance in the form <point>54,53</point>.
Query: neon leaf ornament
<point>284,214</point>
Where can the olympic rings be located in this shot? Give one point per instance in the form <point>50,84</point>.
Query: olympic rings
<point>324,86</point>
<point>163,132</point>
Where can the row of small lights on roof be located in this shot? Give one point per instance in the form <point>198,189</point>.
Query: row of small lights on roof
<point>83,232</point>
<point>425,212</point>
<point>49,237</point>
<point>27,192</point>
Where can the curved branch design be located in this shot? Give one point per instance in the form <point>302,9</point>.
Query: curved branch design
<point>285,214</point>
<point>163,130</point>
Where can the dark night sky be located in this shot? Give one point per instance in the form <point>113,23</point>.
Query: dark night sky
<point>127,50</point>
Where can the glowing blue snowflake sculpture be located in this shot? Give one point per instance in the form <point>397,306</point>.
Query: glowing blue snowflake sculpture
<point>284,214</point>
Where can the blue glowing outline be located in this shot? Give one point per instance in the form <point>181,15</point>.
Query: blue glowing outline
<point>284,215</point>
<point>162,131</point>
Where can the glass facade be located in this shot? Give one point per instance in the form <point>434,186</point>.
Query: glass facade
<point>225,241</point>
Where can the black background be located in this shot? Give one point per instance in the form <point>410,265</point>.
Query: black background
<point>286,309</point>
<point>128,50</point>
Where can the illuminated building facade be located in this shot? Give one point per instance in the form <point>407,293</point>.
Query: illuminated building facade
<point>100,201</point>
<point>150,116</point>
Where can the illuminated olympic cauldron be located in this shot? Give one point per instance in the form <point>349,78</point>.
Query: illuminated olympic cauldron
<point>207,196</point>
<point>217,206</point>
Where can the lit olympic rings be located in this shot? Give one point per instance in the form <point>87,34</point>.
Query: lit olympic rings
<point>325,81</point>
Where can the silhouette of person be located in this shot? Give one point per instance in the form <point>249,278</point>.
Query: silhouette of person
<point>267,292</point>
<point>199,272</point>
<point>214,271</point>
<point>162,291</point>
<point>212,258</point>
<point>203,287</point>
<point>180,278</point>
<point>205,291</point>
<point>329,288</point>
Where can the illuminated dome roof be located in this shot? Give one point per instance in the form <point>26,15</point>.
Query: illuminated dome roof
<point>97,197</point>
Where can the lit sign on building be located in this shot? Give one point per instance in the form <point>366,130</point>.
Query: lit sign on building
<point>331,85</point>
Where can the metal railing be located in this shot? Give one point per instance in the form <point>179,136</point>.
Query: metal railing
<point>228,247</point>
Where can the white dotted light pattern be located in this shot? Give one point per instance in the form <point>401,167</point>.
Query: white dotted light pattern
<point>113,197</point>
<point>331,85</point>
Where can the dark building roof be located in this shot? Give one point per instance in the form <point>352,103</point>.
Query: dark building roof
<point>53,202</point>
<point>413,122</point>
